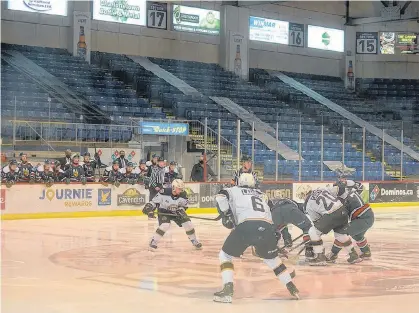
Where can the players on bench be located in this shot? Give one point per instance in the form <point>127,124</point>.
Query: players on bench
<point>171,205</point>
<point>129,175</point>
<point>10,173</point>
<point>112,174</point>
<point>244,210</point>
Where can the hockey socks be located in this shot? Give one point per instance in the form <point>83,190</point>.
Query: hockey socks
<point>226,267</point>
<point>160,231</point>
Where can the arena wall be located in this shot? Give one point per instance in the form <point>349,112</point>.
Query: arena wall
<point>94,199</point>
<point>54,31</point>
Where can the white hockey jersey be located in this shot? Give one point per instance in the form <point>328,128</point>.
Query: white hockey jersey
<point>321,201</point>
<point>245,204</point>
<point>166,201</point>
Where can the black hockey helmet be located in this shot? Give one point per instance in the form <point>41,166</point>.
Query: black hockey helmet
<point>57,163</point>
<point>12,162</point>
<point>47,162</point>
<point>142,161</point>
<point>160,159</point>
<point>130,164</point>
<point>86,154</point>
<point>173,163</point>
<point>246,158</point>
<point>115,162</point>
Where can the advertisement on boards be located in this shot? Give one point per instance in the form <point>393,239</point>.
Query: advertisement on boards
<point>132,12</point>
<point>277,191</point>
<point>393,192</point>
<point>207,193</point>
<point>325,38</point>
<point>81,35</point>
<point>267,30</point>
<point>51,7</point>
<point>195,20</point>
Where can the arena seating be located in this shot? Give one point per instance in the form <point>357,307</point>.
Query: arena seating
<point>370,110</point>
<point>212,80</point>
<point>97,85</point>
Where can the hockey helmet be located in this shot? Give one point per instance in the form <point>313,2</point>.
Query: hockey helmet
<point>115,162</point>
<point>47,162</point>
<point>130,164</point>
<point>142,161</point>
<point>12,162</point>
<point>86,154</point>
<point>173,163</point>
<point>178,183</point>
<point>247,180</point>
<point>57,163</point>
<point>246,158</point>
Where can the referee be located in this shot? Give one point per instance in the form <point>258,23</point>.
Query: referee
<point>246,168</point>
<point>156,180</point>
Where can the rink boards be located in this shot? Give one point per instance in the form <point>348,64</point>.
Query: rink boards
<point>23,201</point>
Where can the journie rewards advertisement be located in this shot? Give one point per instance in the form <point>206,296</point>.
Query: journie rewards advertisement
<point>121,11</point>
<point>391,192</point>
<point>188,19</point>
<point>52,7</point>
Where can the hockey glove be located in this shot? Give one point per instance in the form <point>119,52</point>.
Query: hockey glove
<point>67,181</point>
<point>228,220</point>
<point>117,184</point>
<point>49,182</point>
<point>83,180</point>
<point>131,181</point>
<point>9,183</point>
<point>181,213</point>
<point>32,181</point>
<point>104,183</point>
<point>148,208</point>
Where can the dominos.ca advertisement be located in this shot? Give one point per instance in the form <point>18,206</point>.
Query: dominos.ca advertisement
<point>394,192</point>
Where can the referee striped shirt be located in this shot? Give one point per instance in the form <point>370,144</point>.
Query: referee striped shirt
<point>237,173</point>
<point>157,177</point>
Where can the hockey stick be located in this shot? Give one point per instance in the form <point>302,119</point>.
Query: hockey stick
<point>294,240</point>
<point>195,217</point>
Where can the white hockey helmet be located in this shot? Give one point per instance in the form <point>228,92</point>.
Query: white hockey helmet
<point>178,183</point>
<point>247,180</point>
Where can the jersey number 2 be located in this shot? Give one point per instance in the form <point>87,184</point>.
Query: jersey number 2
<point>257,204</point>
<point>324,197</point>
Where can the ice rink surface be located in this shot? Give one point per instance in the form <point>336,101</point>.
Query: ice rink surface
<point>94,265</point>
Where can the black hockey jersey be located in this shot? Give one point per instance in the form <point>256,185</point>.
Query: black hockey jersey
<point>75,173</point>
<point>7,175</point>
<point>42,175</point>
<point>89,170</point>
<point>26,171</point>
<point>110,175</point>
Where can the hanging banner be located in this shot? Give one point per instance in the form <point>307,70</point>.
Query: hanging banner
<point>81,35</point>
<point>238,55</point>
<point>155,128</point>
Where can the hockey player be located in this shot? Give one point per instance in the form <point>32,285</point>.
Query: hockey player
<point>112,174</point>
<point>170,174</point>
<point>142,171</point>
<point>172,202</point>
<point>45,173</point>
<point>10,173</point>
<point>243,209</point>
<point>59,174</point>
<point>26,169</point>
<point>75,172</point>
<point>328,212</point>
<point>129,176</point>
<point>89,166</point>
<point>287,211</point>
<point>361,218</point>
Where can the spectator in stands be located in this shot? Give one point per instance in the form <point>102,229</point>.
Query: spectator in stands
<point>122,160</point>
<point>197,173</point>
<point>66,161</point>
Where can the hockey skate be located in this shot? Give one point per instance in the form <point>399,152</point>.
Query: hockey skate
<point>293,290</point>
<point>366,256</point>
<point>197,244</point>
<point>309,253</point>
<point>225,295</point>
<point>354,257</point>
<point>152,246</point>
<point>331,257</point>
<point>318,260</point>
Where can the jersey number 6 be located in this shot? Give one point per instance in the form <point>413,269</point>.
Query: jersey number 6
<point>257,204</point>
